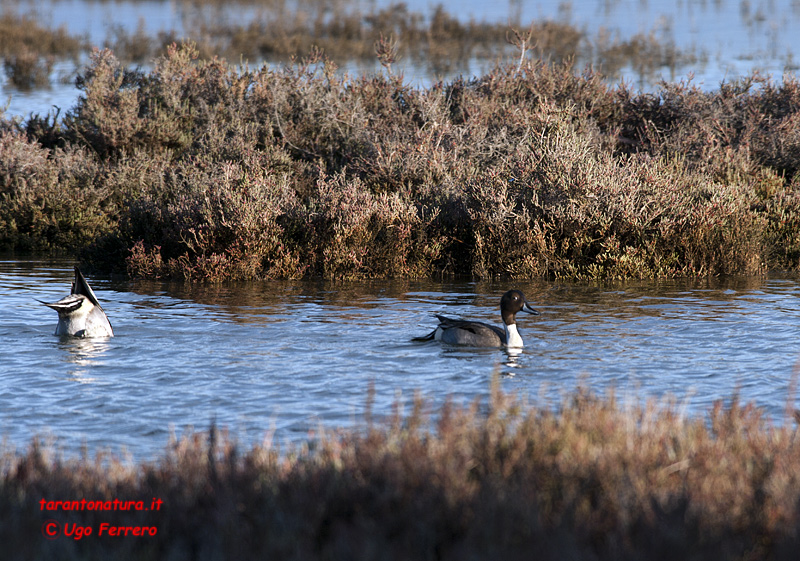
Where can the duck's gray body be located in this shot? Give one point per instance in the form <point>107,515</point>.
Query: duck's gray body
<point>80,314</point>
<point>479,334</point>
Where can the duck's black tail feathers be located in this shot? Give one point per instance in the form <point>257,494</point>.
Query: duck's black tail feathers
<point>429,337</point>
<point>80,286</point>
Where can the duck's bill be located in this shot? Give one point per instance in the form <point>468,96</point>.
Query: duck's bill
<point>527,308</point>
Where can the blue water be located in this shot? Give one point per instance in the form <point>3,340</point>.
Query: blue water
<point>282,360</point>
<point>728,38</point>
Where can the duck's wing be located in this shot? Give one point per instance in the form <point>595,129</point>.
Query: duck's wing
<point>467,332</point>
<point>468,325</point>
<point>476,327</point>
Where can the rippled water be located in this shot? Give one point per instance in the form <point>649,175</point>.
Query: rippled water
<point>284,358</point>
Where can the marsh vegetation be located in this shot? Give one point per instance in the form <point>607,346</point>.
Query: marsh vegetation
<point>593,478</point>
<point>539,167</point>
<point>199,170</point>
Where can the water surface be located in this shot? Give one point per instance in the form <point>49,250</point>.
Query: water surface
<point>280,360</point>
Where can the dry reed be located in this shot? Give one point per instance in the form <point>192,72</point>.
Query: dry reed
<point>593,478</point>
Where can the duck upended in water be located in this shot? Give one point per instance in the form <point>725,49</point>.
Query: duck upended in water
<point>479,334</point>
<point>80,314</point>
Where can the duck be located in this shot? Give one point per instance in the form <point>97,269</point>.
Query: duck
<point>80,314</point>
<point>479,334</point>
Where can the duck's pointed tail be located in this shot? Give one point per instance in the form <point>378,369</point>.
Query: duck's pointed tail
<point>80,286</point>
<point>429,337</point>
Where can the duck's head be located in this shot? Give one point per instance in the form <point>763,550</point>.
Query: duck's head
<point>512,302</point>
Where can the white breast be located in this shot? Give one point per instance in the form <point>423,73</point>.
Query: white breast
<point>513,338</point>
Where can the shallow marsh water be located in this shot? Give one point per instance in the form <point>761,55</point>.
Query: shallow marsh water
<point>280,360</point>
<point>727,38</point>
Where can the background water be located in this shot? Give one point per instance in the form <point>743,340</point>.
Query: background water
<point>730,38</point>
<point>280,360</point>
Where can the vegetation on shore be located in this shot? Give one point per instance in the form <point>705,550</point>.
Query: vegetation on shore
<point>594,478</point>
<point>203,171</point>
<point>199,170</point>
